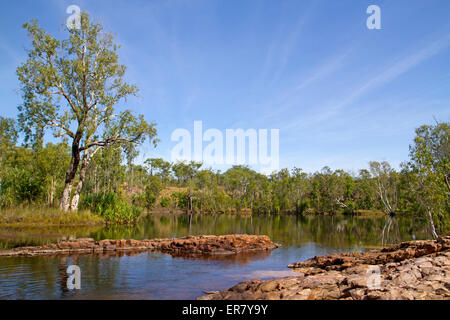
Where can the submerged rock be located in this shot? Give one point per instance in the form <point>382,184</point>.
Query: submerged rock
<point>409,270</point>
<point>190,246</point>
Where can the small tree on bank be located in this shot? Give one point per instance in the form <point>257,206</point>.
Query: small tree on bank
<point>430,161</point>
<point>73,86</point>
<point>385,180</point>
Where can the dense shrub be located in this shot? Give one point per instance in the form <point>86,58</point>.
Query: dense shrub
<point>165,202</point>
<point>303,205</point>
<point>152,190</point>
<point>138,200</point>
<point>112,207</point>
<point>349,207</point>
<point>19,186</point>
<point>180,199</point>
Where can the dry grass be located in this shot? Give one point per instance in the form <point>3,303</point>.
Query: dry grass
<point>167,192</point>
<point>370,213</point>
<point>30,217</point>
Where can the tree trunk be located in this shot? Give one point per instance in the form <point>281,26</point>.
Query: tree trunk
<point>433,230</point>
<point>65,200</point>
<point>76,197</point>
<point>71,172</point>
<point>52,191</point>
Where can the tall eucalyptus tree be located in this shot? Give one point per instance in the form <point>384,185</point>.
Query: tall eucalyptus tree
<point>74,87</point>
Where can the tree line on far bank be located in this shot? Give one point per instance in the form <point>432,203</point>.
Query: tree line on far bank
<point>118,189</point>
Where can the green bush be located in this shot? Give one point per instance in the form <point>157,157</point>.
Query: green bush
<point>303,205</point>
<point>152,190</point>
<point>138,200</point>
<point>350,207</point>
<point>112,207</point>
<point>180,198</point>
<point>19,186</point>
<point>165,202</point>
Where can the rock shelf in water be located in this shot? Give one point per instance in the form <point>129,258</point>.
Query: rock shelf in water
<point>190,245</point>
<point>409,270</point>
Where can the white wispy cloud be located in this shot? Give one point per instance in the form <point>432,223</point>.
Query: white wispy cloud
<point>389,74</point>
<point>280,51</point>
<point>329,67</point>
<point>285,51</point>
<point>397,69</point>
<point>289,99</point>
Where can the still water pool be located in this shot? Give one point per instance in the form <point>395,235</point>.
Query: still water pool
<point>153,275</point>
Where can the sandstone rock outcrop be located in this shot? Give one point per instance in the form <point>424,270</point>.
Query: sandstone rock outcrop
<point>190,245</point>
<point>409,270</point>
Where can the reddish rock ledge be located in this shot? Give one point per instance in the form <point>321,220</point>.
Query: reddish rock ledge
<point>409,270</point>
<point>190,245</point>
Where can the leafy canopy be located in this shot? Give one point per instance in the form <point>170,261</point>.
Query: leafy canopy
<point>73,87</point>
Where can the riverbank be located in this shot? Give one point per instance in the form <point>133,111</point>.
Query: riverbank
<point>409,270</point>
<point>249,212</point>
<point>46,217</point>
<point>189,246</point>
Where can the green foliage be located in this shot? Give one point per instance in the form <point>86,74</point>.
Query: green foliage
<point>303,205</point>
<point>19,186</point>
<point>32,176</point>
<point>160,168</point>
<point>77,80</point>
<point>106,172</point>
<point>111,207</point>
<point>180,199</point>
<point>349,207</point>
<point>8,136</point>
<point>430,165</point>
<point>165,202</point>
<point>185,172</point>
<point>152,191</point>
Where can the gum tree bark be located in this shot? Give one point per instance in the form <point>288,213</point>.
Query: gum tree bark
<point>433,229</point>
<point>87,157</point>
<point>70,174</point>
<point>76,196</point>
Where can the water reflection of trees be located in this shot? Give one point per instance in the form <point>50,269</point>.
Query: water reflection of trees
<point>22,237</point>
<point>335,231</point>
<point>339,231</point>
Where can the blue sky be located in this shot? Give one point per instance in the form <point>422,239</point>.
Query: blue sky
<point>341,94</point>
